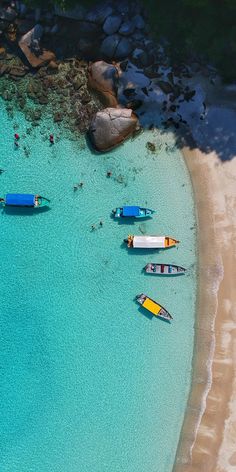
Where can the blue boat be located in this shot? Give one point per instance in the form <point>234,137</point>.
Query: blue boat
<point>132,212</point>
<point>24,200</point>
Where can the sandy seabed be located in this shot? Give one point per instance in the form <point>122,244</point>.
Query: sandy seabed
<point>208,437</point>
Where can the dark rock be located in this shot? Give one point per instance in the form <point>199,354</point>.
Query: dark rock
<point>166,87</point>
<point>109,45</point>
<point>129,92</point>
<point>123,65</point>
<point>3,25</point>
<point>138,22</point>
<point>77,13</point>
<point>112,24</point>
<point>140,57</point>
<point>78,82</point>
<point>7,14</point>
<point>123,49</point>
<point>89,30</point>
<point>127,28</point>
<point>151,146</point>
<point>57,117</point>
<point>17,71</point>
<point>111,126</point>
<point>134,104</point>
<point>99,14</point>
<point>3,69</point>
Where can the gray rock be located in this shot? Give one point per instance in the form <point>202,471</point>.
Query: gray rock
<point>109,45</point>
<point>138,22</point>
<point>112,24</point>
<point>99,14</point>
<point>123,49</point>
<point>127,28</point>
<point>111,126</point>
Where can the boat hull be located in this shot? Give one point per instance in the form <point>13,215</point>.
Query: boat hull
<point>153,307</point>
<point>141,213</point>
<point>164,269</point>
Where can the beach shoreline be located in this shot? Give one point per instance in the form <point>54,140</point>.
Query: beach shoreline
<point>208,433</point>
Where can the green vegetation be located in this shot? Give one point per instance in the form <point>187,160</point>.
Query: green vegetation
<point>205,27</point>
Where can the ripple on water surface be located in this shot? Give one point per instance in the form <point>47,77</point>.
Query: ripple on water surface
<point>88,381</point>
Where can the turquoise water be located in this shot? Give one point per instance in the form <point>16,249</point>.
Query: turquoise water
<point>88,383</point>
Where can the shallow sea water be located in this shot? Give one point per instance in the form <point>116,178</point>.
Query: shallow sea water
<point>88,382</point>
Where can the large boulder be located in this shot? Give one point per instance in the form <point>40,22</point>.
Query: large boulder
<point>123,49</point>
<point>99,13</point>
<point>112,24</point>
<point>127,28</point>
<point>103,78</point>
<point>109,45</point>
<point>111,126</point>
<point>30,46</point>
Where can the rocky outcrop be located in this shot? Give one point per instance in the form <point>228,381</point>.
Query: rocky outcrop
<point>30,46</point>
<point>103,78</point>
<point>111,126</point>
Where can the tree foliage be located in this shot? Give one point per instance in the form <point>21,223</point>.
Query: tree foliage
<point>205,27</point>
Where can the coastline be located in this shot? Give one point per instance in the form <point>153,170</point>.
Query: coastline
<point>208,433</point>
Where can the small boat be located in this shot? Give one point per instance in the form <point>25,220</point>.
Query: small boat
<point>132,212</point>
<point>153,307</point>
<point>164,269</point>
<point>24,200</point>
<point>150,242</point>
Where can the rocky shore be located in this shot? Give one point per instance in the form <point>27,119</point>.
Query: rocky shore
<point>73,63</point>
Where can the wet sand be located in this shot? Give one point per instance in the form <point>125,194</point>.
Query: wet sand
<point>208,437</point>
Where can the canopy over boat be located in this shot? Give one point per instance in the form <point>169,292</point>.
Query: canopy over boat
<point>20,199</point>
<point>152,306</point>
<point>131,211</point>
<point>149,241</point>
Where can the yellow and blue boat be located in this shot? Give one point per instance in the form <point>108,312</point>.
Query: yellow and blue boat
<point>132,212</point>
<point>155,308</point>
<point>24,200</point>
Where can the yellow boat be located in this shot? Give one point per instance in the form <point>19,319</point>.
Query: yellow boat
<point>153,307</point>
<point>150,242</point>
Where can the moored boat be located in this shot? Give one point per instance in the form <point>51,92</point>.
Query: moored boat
<point>150,242</point>
<point>132,212</point>
<point>155,308</point>
<point>24,200</point>
<point>164,269</point>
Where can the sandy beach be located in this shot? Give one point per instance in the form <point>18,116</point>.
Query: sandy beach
<point>208,435</point>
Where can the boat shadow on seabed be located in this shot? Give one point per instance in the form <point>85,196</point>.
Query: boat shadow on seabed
<point>24,211</point>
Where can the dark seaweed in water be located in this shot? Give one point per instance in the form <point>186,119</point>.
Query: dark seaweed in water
<point>151,146</point>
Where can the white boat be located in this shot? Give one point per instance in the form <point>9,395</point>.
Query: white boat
<point>150,242</point>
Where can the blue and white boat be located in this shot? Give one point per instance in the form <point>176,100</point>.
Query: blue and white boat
<point>132,212</point>
<point>24,200</point>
